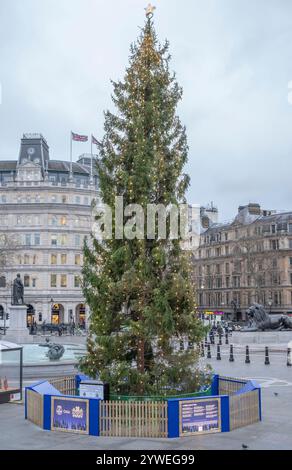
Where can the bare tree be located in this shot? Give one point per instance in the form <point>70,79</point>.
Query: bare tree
<point>8,247</point>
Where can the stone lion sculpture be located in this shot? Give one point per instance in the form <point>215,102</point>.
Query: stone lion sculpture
<point>260,320</point>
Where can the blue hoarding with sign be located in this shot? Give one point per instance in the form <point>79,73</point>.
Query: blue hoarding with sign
<point>200,416</point>
<point>70,415</point>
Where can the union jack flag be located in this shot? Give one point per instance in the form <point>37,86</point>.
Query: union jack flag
<point>94,140</point>
<point>79,138</point>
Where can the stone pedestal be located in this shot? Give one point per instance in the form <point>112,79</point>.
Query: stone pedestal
<point>18,331</point>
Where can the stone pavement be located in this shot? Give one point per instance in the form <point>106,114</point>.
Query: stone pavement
<point>274,432</point>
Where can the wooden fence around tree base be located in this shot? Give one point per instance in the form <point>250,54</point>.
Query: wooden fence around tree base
<point>35,405</point>
<point>133,419</point>
<point>244,409</point>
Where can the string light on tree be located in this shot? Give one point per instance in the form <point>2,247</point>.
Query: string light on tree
<point>139,291</point>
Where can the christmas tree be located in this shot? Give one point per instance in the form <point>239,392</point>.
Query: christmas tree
<point>139,289</point>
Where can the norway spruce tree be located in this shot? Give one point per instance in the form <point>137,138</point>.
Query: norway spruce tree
<point>139,289</point>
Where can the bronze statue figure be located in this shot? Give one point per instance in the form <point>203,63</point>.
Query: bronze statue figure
<point>260,320</point>
<point>18,291</point>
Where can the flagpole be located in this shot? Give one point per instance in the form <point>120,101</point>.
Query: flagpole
<point>91,170</point>
<point>71,158</point>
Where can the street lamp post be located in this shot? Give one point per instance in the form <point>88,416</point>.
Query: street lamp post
<point>270,303</point>
<point>52,303</point>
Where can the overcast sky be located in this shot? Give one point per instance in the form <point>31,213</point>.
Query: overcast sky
<point>232,57</point>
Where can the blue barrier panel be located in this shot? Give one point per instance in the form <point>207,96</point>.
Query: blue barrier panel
<point>94,417</point>
<point>260,402</point>
<point>225,419</point>
<point>45,388</point>
<point>47,412</point>
<point>173,417</point>
<point>215,385</point>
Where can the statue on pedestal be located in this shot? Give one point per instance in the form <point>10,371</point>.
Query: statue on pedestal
<point>260,320</point>
<point>18,291</point>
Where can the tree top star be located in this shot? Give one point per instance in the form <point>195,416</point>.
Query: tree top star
<point>150,10</point>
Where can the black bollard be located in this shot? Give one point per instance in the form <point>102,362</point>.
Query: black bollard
<point>289,357</point>
<point>267,359</point>
<point>220,339</point>
<point>209,352</point>
<point>226,339</point>
<point>206,342</point>
<point>231,357</point>
<point>218,353</point>
<point>202,350</point>
<point>247,358</point>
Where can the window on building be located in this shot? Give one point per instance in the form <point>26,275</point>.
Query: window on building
<point>227,281</point>
<point>34,282</point>
<point>226,236</point>
<point>86,201</point>
<point>236,281</point>
<point>77,199</point>
<point>273,228</point>
<point>63,220</point>
<point>3,199</point>
<point>53,259</point>
<point>26,259</point>
<point>53,280</point>
<point>28,239</point>
<point>63,239</point>
<point>274,244</point>
<point>274,263</point>
<point>63,259</point>
<point>277,298</point>
<point>77,240</point>
<point>53,198</point>
<point>290,244</point>
<point>237,266</point>
<point>290,261</point>
<point>63,280</point>
<point>227,268</point>
<point>2,281</point>
<point>218,252</point>
<point>77,260</point>
<point>282,227</point>
<point>64,199</point>
<point>26,280</point>
<point>54,240</point>
<point>77,282</point>
<point>54,220</point>
<point>290,228</point>
<point>37,239</point>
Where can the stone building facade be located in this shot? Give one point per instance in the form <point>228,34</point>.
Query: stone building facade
<point>246,261</point>
<point>199,219</point>
<point>45,214</point>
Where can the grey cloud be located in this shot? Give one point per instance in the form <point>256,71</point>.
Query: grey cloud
<point>233,59</point>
